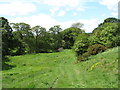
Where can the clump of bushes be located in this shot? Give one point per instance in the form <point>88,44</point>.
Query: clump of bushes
<point>95,49</point>
<point>81,44</point>
<point>83,57</point>
<point>92,50</point>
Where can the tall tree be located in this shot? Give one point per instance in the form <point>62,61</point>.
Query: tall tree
<point>77,25</point>
<point>55,37</point>
<point>107,33</point>
<point>7,36</point>
<point>81,44</point>
<point>70,35</point>
<point>24,34</point>
<point>40,39</point>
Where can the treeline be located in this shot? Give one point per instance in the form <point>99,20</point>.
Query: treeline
<point>106,35</point>
<point>21,38</point>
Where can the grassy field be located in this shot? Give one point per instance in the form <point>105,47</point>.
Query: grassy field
<point>58,70</point>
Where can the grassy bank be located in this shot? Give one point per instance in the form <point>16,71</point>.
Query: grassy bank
<point>58,70</point>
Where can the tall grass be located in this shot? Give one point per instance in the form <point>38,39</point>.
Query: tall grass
<point>58,70</point>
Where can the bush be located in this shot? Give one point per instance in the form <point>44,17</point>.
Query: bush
<point>81,44</point>
<point>92,50</point>
<point>83,57</point>
<point>69,36</point>
<point>106,34</point>
<point>95,49</point>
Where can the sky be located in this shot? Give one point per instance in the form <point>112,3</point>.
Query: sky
<point>48,13</point>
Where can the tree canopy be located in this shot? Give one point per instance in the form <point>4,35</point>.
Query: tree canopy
<point>21,38</point>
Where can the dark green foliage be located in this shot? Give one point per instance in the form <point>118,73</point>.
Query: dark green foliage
<point>107,33</point>
<point>111,20</point>
<point>21,38</point>
<point>39,39</point>
<point>24,36</point>
<point>95,49</point>
<point>18,49</point>
<point>5,66</point>
<point>77,25</point>
<point>69,36</point>
<point>92,50</point>
<point>81,44</point>
<point>7,37</point>
<point>83,57</point>
<point>55,37</point>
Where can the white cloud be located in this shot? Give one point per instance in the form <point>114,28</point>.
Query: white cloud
<point>47,22</point>
<point>41,19</point>
<point>60,6</point>
<point>67,9</point>
<point>61,13</point>
<point>110,4</point>
<point>114,14</point>
<point>80,9</point>
<point>23,7</point>
<point>74,14</point>
<point>16,8</point>
<point>89,24</point>
<point>53,10</point>
<point>37,1</point>
<point>67,4</point>
<point>59,3</point>
<point>6,0</point>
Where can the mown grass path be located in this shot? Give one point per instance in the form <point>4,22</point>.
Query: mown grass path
<point>58,70</point>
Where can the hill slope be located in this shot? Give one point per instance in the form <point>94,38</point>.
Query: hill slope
<point>58,70</point>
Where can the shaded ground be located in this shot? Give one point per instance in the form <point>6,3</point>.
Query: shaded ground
<point>6,66</point>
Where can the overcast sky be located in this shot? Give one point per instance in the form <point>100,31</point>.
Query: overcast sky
<point>48,13</point>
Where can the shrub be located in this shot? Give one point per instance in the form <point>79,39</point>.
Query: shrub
<point>83,57</point>
<point>106,34</point>
<point>95,49</point>
<point>92,50</point>
<point>69,36</point>
<point>81,44</point>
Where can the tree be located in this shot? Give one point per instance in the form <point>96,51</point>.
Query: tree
<point>41,39</point>
<point>81,44</point>
<point>7,37</point>
<point>107,33</point>
<point>77,25</point>
<point>24,34</point>
<point>55,37</point>
<point>69,36</point>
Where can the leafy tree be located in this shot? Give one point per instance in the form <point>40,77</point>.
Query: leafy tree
<point>24,34</point>
<point>70,35</point>
<point>110,20</point>
<point>41,39</point>
<point>106,33</point>
<point>55,37</point>
<point>109,35</point>
<point>77,25</point>
<point>81,44</point>
<point>7,37</point>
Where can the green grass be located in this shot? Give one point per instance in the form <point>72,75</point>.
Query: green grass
<point>58,70</point>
